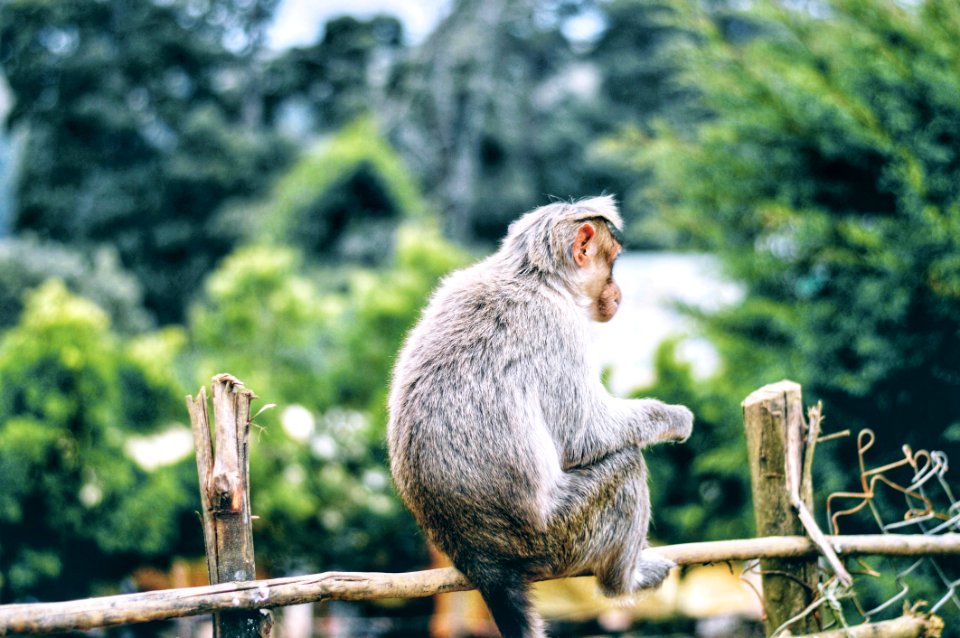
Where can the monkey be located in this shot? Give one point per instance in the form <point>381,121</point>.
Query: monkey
<point>503,441</point>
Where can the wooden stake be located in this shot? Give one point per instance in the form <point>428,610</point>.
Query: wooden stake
<point>769,415</point>
<point>225,496</point>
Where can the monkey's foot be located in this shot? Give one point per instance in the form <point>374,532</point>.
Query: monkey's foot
<point>651,571</point>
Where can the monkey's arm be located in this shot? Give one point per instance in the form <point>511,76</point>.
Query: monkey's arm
<point>616,423</point>
<point>651,421</point>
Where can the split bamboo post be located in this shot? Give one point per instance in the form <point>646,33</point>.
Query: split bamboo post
<point>224,475</point>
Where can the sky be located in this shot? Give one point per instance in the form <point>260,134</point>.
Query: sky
<point>298,22</point>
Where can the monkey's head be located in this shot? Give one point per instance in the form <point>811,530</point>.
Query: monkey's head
<point>595,248</point>
<point>574,244</point>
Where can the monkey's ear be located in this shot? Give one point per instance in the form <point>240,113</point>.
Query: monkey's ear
<point>582,244</point>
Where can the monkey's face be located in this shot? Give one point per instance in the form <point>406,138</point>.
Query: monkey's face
<point>595,252</point>
<point>602,291</point>
<point>608,302</point>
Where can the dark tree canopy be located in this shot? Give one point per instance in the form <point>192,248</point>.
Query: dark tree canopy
<point>827,178</point>
<point>336,80</point>
<point>137,128</point>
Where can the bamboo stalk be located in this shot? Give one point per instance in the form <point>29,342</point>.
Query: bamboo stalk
<point>43,618</point>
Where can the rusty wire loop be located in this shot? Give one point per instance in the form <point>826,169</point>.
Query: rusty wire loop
<point>925,512</point>
<point>920,462</point>
<point>930,508</point>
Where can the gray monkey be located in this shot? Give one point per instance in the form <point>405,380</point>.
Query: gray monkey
<point>503,442</point>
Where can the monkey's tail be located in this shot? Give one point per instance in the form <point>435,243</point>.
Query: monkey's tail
<point>507,594</point>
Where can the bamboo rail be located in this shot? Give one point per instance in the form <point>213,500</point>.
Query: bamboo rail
<point>910,625</point>
<point>43,618</point>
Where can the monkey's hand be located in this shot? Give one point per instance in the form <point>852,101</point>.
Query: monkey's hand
<point>656,422</point>
<point>680,423</point>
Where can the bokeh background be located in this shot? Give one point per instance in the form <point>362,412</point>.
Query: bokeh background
<point>273,187</point>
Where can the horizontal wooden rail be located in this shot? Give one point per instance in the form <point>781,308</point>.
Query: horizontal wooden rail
<point>910,625</point>
<point>43,618</point>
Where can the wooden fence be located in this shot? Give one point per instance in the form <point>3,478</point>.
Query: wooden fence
<point>789,544</point>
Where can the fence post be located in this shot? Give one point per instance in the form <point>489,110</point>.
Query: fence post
<point>789,585</point>
<point>224,475</point>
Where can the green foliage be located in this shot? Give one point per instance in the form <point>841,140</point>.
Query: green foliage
<point>641,84</point>
<point>341,201</point>
<point>383,306</point>
<point>134,140</point>
<point>323,352</point>
<point>296,338</point>
<point>639,56</point>
<point>326,501</point>
<point>263,321</point>
<point>826,178</point>
<point>507,105</point>
<point>26,263</point>
<point>495,115</point>
<point>311,317</point>
<point>75,508</point>
<point>358,508</point>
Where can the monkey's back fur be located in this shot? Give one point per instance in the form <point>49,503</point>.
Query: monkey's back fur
<point>485,353</point>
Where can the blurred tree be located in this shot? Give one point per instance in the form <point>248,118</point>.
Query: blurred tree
<point>634,55</point>
<point>340,204</point>
<point>471,107</point>
<point>827,179</point>
<point>340,78</point>
<point>76,511</point>
<point>335,485</point>
<point>638,57</point>
<point>508,104</point>
<point>133,114</point>
<point>264,321</point>
<point>26,263</point>
<point>383,305</point>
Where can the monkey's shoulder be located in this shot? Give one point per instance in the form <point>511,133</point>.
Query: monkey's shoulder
<point>475,305</point>
<point>481,289</point>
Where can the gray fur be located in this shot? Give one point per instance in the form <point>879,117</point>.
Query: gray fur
<point>504,443</point>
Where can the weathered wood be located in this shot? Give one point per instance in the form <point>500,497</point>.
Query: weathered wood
<point>200,425</point>
<point>45,618</point>
<point>226,489</point>
<point>789,585</point>
<point>907,626</point>
<point>225,496</point>
<point>799,464</point>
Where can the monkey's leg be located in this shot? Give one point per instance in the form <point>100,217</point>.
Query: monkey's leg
<point>602,523</point>
<point>650,571</point>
